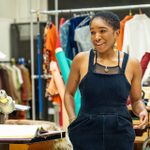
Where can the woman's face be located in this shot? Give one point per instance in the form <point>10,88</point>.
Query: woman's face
<point>103,35</point>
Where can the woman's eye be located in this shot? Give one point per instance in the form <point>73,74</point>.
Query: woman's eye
<point>102,31</point>
<point>92,32</point>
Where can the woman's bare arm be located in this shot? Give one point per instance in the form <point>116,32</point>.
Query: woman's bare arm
<point>138,106</point>
<point>72,84</point>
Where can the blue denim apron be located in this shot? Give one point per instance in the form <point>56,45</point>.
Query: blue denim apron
<point>104,122</point>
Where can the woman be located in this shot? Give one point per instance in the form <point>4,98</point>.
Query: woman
<point>106,78</point>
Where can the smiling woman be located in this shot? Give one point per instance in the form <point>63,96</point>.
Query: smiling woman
<point>105,78</point>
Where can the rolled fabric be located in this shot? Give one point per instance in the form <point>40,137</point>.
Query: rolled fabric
<point>61,89</point>
<point>65,70</point>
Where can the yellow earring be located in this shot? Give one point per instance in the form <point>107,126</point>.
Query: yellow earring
<point>115,46</point>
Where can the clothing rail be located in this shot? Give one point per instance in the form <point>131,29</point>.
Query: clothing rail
<point>14,62</point>
<point>42,76</point>
<point>6,61</point>
<point>54,12</point>
<point>63,11</point>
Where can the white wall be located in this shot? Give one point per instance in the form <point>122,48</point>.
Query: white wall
<point>18,11</point>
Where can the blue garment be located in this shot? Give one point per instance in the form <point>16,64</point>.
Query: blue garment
<point>83,38</point>
<point>64,37</point>
<point>74,22</point>
<point>104,122</point>
<point>67,33</point>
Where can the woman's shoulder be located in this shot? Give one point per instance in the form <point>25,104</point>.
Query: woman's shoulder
<point>131,60</point>
<point>81,56</point>
<point>134,63</point>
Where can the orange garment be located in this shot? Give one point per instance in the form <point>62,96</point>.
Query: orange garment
<point>50,41</point>
<point>122,25</point>
<point>53,91</point>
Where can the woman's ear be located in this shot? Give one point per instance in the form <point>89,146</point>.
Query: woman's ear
<point>117,32</point>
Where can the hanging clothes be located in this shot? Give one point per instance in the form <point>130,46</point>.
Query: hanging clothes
<point>64,37</point>
<point>136,38</point>
<point>7,83</point>
<point>26,93</point>
<point>144,62</point>
<point>137,35</point>
<point>50,41</point>
<point>121,35</point>
<point>50,38</point>
<point>68,29</point>
<point>83,35</point>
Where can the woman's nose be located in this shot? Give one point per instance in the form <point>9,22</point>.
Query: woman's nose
<point>97,37</point>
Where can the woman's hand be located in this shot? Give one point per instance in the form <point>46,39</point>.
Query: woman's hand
<point>143,117</point>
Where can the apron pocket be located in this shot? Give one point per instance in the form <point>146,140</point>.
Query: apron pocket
<point>125,127</point>
<point>77,123</point>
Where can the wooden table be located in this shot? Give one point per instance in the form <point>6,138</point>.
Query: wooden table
<point>42,142</point>
<point>39,143</point>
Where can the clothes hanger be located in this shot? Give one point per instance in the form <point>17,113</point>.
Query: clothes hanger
<point>130,12</point>
<point>49,21</point>
<point>140,11</point>
<point>13,61</point>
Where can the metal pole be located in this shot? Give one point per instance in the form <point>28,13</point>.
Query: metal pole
<point>56,15</point>
<point>39,69</point>
<point>32,67</point>
<point>54,12</point>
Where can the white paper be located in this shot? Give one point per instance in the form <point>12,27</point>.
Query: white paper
<point>18,131</point>
<point>21,107</point>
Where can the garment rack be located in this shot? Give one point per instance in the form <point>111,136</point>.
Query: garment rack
<point>63,11</point>
<point>54,12</point>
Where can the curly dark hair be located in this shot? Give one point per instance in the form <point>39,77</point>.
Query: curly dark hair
<point>111,18</point>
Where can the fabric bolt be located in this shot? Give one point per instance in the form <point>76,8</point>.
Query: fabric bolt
<point>121,35</point>
<point>104,122</point>
<point>144,62</point>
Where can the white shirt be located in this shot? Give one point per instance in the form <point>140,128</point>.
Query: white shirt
<point>137,36</point>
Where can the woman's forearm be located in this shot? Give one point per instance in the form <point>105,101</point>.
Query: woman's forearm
<point>70,107</point>
<point>138,107</point>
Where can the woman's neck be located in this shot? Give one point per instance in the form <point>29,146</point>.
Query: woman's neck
<point>109,55</point>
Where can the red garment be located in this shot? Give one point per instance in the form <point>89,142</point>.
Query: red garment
<point>144,62</point>
<point>58,44</point>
